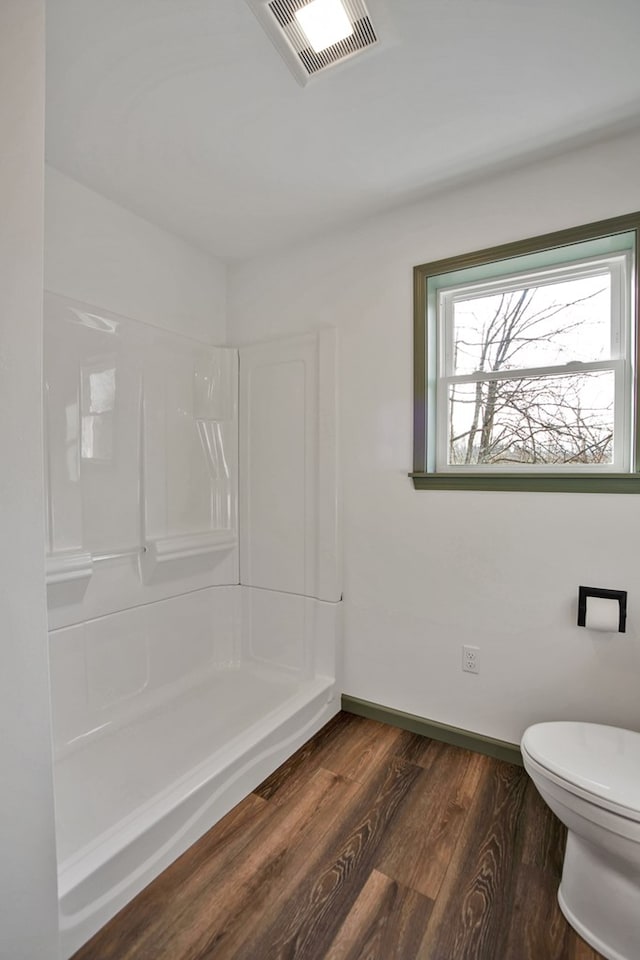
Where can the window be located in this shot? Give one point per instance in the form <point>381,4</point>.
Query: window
<point>525,364</point>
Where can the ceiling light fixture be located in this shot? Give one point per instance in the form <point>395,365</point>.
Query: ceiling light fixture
<point>324,22</point>
<point>316,35</point>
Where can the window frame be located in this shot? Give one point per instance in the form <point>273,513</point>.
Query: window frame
<point>425,475</point>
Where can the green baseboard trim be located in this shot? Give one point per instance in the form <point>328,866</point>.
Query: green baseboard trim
<point>500,749</point>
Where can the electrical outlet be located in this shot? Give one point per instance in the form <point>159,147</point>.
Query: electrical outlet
<point>471,659</point>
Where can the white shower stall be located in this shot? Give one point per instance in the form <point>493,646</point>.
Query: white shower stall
<point>194,585</point>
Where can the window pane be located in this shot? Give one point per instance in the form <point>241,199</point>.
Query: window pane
<point>541,420</point>
<point>546,325</point>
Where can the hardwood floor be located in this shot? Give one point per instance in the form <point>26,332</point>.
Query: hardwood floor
<point>370,843</point>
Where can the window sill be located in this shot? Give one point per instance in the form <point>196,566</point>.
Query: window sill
<point>537,483</point>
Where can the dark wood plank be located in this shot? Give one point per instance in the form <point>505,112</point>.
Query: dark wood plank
<point>297,768</point>
<point>418,851</point>
<point>543,836</point>
<point>361,754</point>
<point>307,923</point>
<point>387,920</point>
<point>271,873</point>
<point>416,749</point>
<point>353,748</point>
<point>537,928</point>
<point>471,917</point>
<point>579,950</point>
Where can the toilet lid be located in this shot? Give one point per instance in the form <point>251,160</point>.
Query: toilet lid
<point>604,761</point>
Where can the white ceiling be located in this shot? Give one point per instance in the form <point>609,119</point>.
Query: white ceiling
<point>184,112</point>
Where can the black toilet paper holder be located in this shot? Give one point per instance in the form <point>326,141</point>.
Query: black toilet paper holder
<point>619,595</point>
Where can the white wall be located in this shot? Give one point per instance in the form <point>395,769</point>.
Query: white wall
<point>428,571</point>
<point>98,252</point>
<point>28,896</point>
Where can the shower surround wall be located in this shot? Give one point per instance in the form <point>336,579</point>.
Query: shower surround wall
<point>175,687</point>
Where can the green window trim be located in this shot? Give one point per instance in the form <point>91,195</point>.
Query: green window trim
<point>426,479</point>
<point>540,482</point>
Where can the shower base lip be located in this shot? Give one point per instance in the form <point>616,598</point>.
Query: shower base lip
<point>98,879</point>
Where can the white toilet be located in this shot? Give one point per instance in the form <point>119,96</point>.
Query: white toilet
<point>589,775</point>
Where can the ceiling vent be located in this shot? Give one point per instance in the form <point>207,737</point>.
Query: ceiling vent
<point>278,18</point>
